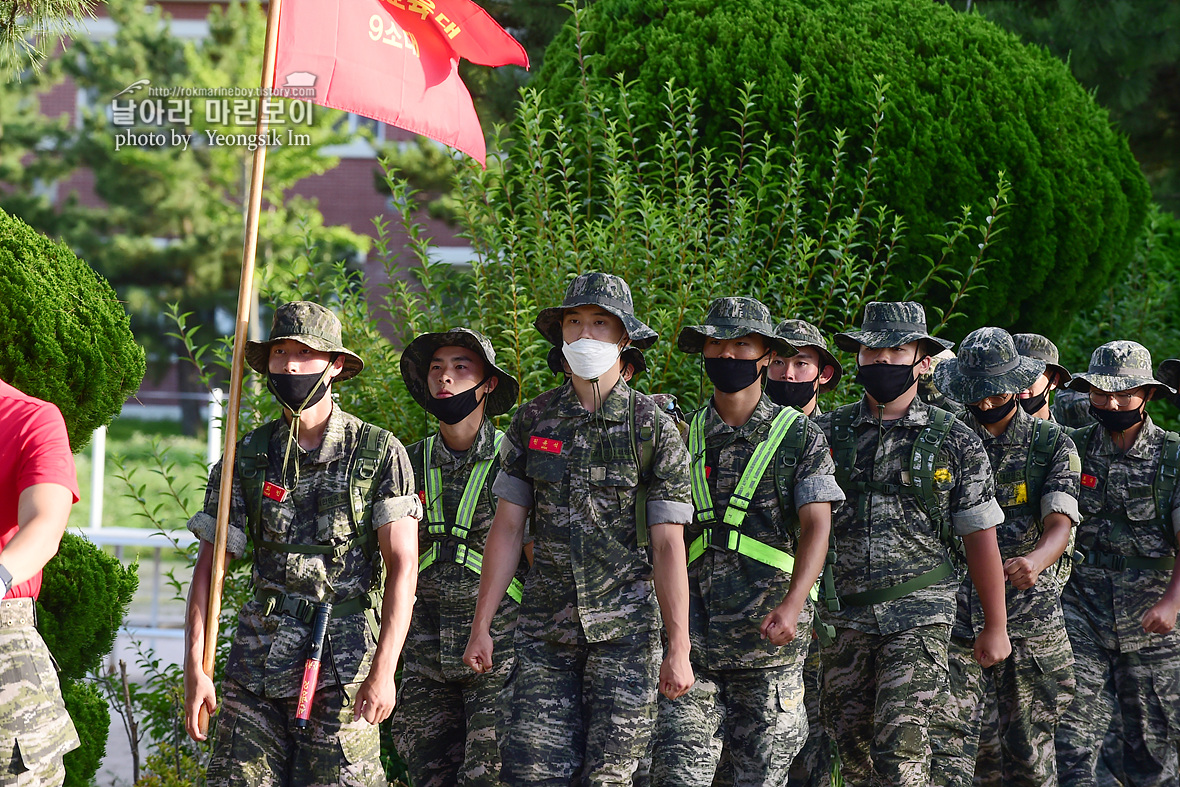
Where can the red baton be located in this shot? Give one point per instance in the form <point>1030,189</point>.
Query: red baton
<point>311,669</point>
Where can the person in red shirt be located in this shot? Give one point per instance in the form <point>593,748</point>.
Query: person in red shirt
<point>38,485</point>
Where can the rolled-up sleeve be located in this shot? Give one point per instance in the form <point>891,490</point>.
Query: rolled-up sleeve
<point>818,489</point>
<point>513,489</point>
<point>1061,503</point>
<point>984,516</point>
<point>512,482</point>
<point>669,512</point>
<point>815,478</point>
<point>203,524</point>
<point>395,498</point>
<point>669,498</point>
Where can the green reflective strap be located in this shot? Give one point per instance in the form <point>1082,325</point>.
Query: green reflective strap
<point>433,503</point>
<point>898,591</point>
<point>743,493</point>
<point>747,547</point>
<point>471,560</point>
<point>702,501</point>
<point>479,476</point>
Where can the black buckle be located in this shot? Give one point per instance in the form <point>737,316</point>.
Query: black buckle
<point>1111,561</point>
<point>299,608</point>
<point>448,549</point>
<point>719,537</point>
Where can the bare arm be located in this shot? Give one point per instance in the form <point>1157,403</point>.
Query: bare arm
<point>987,574</point>
<point>41,515</point>
<point>1024,571</point>
<point>815,523</point>
<point>500,559</point>
<point>670,564</point>
<point>399,548</point>
<point>198,687</point>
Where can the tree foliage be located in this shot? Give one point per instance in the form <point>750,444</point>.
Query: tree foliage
<point>67,338</point>
<point>966,100</point>
<point>30,28</point>
<point>170,224</point>
<point>84,597</point>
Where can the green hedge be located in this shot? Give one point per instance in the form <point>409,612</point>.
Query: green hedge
<point>966,100</point>
<point>64,335</point>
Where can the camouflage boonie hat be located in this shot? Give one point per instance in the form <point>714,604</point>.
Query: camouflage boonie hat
<point>800,333</point>
<point>891,324</point>
<point>1117,366</point>
<point>415,364</point>
<point>597,289</point>
<point>1169,373</point>
<point>1033,345</point>
<point>732,318</point>
<point>310,324</point>
<point>987,365</point>
<point>630,355</point>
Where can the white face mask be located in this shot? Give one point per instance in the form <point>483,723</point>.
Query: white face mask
<point>589,358</point>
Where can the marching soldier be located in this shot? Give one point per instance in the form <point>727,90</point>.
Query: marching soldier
<point>445,725</point>
<point>1036,471</point>
<point>917,482</point>
<point>607,478</point>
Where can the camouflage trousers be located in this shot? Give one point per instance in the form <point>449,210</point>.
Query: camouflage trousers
<point>446,731</point>
<point>756,714</point>
<point>813,765</point>
<point>255,744</point>
<point>1144,686</point>
<point>579,714</point>
<point>1030,691</point>
<point>878,696</point>
<point>35,730</point>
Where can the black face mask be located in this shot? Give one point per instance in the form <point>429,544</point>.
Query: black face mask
<point>1034,403</point>
<point>790,394</point>
<point>731,375</point>
<point>297,392</point>
<point>994,415</point>
<point>1116,420</point>
<point>886,381</point>
<point>453,409</point>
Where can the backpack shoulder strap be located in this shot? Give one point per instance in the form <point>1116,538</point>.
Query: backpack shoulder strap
<point>1046,438</point>
<point>923,459</point>
<point>251,464</point>
<point>372,453</point>
<point>844,443</point>
<point>645,438</point>
<point>1165,484</point>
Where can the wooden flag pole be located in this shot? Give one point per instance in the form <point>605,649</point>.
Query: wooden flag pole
<point>237,370</point>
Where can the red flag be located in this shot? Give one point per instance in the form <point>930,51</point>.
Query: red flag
<point>396,61</point>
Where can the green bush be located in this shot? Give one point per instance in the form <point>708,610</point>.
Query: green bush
<point>66,336</point>
<point>92,718</point>
<point>966,100</point>
<point>84,597</point>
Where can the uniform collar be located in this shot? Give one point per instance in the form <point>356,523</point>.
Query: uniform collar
<point>614,406</point>
<point>764,412</point>
<point>484,447</point>
<point>917,415</point>
<point>332,446</point>
<point>1017,431</point>
<point>1142,448</point>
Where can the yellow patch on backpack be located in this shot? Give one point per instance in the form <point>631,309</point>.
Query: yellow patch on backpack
<point>1019,494</point>
<point>943,475</point>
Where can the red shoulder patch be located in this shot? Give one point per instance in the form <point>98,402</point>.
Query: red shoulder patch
<point>274,492</point>
<point>546,444</point>
<point>1089,481</point>
<point>422,496</point>
<point>708,471</point>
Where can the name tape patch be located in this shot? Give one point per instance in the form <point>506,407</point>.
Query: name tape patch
<point>546,444</point>
<point>274,492</point>
<point>1089,481</point>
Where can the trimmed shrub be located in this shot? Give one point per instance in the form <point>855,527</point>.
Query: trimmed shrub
<point>66,336</point>
<point>92,718</point>
<point>966,100</point>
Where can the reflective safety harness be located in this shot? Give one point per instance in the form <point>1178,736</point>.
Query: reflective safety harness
<point>728,536</point>
<point>372,452</point>
<point>1163,487</point>
<point>451,546</point>
<point>923,460</point>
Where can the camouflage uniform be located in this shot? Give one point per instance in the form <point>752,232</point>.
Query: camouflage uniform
<point>1118,664</point>
<point>581,700</point>
<point>888,663</point>
<point>1031,688</point>
<point>749,693</point>
<point>1071,408</point>
<point>445,722</point>
<point>254,742</point>
<point>812,766</point>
